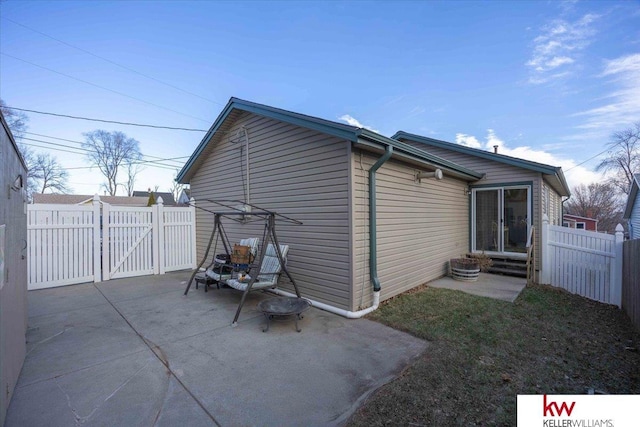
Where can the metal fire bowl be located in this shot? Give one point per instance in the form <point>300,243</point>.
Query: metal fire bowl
<point>283,306</point>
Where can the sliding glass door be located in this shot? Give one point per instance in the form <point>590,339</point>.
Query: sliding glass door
<point>500,219</point>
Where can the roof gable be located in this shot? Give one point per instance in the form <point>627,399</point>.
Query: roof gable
<point>633,194</point>
<point>551,171</point>
<point>340,130</point>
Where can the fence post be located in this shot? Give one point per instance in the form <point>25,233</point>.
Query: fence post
<point>106,244</point>
<point>616,269</point>
<point>545,258</point>
<point>192,210</point>
<point>158,233</point>
<point>97,273</point>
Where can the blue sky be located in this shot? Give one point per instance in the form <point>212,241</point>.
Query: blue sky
<point>547,81</point>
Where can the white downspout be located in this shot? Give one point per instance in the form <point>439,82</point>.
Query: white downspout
<point>336,310</point>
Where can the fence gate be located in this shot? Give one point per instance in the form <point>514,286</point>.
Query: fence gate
<point>583,262</point>
<point>127,241</point>
<point>63,245</point>
<point>71,244</point>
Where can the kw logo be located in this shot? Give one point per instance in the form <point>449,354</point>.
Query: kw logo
<point>548,408</point>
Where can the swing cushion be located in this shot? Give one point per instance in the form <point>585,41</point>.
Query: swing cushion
<point>221,272</point>
<point>269,272</point>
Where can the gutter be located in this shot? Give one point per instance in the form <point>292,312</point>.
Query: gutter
<point>373,251</point>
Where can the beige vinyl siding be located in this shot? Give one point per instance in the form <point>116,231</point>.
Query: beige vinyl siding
<point>499,174</point>
<point>553,205</point>
<point>420,227</point>
<point>295,172</point>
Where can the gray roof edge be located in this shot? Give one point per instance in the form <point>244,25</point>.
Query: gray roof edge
<point>509,160</point>
<point>322,125</point>
<point>5,125</point>
<point>633,193</point>
<point>340,130</point>
<point>421,154</point>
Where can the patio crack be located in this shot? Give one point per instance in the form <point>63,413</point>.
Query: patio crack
<point>47,339</point>
<point>162,357</point>
<point>79,419</point>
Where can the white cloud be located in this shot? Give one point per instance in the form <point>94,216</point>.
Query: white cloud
<point>622,106</point>
<point>468,140</point>
<point>355,122</point>
<point>558,47</point>
<point>574,174</point>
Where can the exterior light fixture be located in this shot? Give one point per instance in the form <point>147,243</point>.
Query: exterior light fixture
<point>437,174</point>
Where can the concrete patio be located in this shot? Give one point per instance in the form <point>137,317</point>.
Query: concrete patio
<point>136,352</point>
<point>496,286</point>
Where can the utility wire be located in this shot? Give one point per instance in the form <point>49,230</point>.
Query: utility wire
<point>106,121</point>
<point>82,152</point>
<point>124,67</point>
<point>585,161</point>
<point>101,87</point>
<point>173,159</point>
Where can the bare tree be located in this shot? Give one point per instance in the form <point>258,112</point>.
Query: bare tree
<point>33,174</point>
<point>110,151</point>
<point>17,120</point>
<point>50,174</point>
<point>597,201</point>
<point>623,158</point>
<point>176,188</point>
<point>132,171</point>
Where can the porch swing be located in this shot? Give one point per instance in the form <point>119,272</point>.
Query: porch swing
<point>265,269</point>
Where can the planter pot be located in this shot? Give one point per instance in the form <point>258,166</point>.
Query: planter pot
<point>465,269</point>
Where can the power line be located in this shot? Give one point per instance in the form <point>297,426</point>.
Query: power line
<point>585,161</point>
<point>105,121</point>
<point>173,159</point>
<point>112,62</point>
<point>101,87</point>
<point>82,152</point>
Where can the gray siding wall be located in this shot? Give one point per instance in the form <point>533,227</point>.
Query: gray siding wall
<point>13,294</point>
<point>634,220</point>
<point>498,173</point>
<point>420,227</point>
<point>296,172</point>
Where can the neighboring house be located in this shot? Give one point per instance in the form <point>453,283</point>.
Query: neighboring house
<point>77,199</point>
<point>167,198</point>
<point>579,222</point>
<point>632,208</point>
<point>13,265</point>
<point>394,235</point>
<point>512,196</point>
<point>184,197</point>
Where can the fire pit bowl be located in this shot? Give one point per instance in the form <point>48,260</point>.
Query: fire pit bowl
<point>283,306</point>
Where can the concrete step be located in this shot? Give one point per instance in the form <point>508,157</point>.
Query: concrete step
<point>509,264</point>
<point>508,271</point>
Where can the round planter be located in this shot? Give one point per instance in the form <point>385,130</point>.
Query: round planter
<point>465,269</point>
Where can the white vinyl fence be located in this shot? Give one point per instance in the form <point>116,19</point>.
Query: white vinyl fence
<point>583,262</point>
<point>70,244</point>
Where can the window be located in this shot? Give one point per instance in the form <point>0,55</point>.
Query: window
<point>580,225</point>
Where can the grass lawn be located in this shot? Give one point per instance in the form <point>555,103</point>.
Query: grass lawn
<point>485,352</point>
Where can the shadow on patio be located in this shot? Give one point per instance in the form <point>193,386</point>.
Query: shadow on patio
<point>137,352</point>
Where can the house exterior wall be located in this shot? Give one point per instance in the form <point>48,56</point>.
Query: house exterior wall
<point>295,172</point>
<point>501,174</point>
<point>553,206</point>
<point>573,220</point>
<point>634,220</point>
<point>420,226</point>
<point>13,286</point>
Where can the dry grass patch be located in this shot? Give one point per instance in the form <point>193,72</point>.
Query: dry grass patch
<point>485,352</point>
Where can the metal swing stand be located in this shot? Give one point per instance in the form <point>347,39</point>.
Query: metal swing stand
<point>269,235</point>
